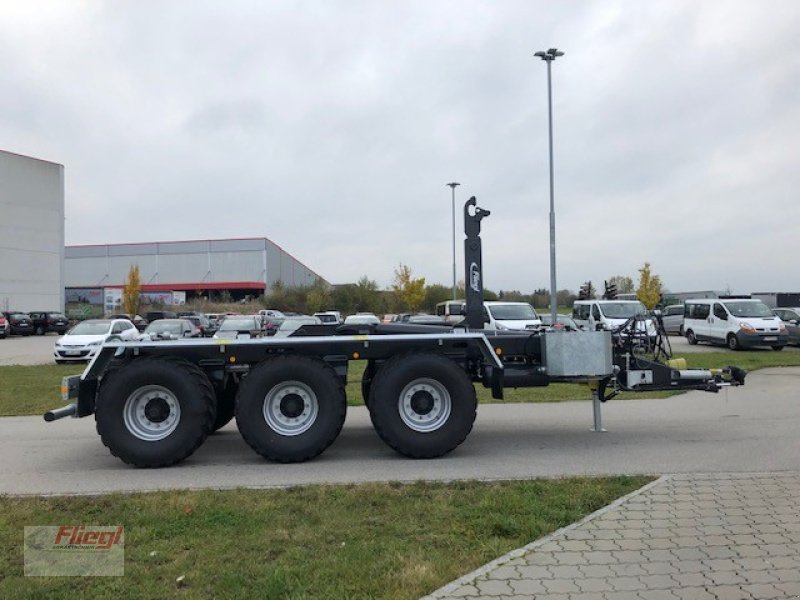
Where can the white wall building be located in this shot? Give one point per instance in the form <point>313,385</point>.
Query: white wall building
<point>31,233</point>
<point>240,266</point>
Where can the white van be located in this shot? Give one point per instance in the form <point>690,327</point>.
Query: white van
<point>499,315</point>
<point>609,314</point>
<point>736,323</point>
<point>453,311</point>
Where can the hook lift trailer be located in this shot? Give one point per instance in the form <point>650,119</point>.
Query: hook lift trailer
<point>155,403</point>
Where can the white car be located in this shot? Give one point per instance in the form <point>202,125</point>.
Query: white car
<point>362,319</point>
<point>83,341</point>
<point>608,315</point>
<point>292,324</point>
<point>498,315</point>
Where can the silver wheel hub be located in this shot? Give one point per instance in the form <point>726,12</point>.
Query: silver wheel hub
<point>424,405</point>
<point>291,408</point>
<point>151,413</point>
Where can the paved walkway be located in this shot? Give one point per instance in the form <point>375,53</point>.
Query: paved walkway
<point>698,537</point>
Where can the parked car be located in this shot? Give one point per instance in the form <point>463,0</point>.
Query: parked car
<point>200,322</point>
<point>292,324</point>
<point>19,323</point>
<point>563,323</point>
<point>672,316</point>
<point>499,315</point>
<point>608,315</point>
<point>736,323</point>
<point>424,319</point>
<point>791,320</point>
<point>329,317</point>
<point>3,327</point>
<point>362,319</point>
<point>171,329</point>
<point>45,322</point>
<point>214,320</point>
<point>139,322</point>
<point>271,324</point>
<point>84,340</point>
<point>239,326</point>
<point>155,315</point>
<point>453,311</point>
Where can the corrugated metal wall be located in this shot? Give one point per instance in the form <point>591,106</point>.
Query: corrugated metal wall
<point>206,261</point>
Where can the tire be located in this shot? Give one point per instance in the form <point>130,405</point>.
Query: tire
<point>690,337</point>
<point>733,342</point>
<point>777,348</point>
<point>680,330</point>
<point>181,403</point>
<point>366,381</point>
<point>270,397</point>
<point>445,401</point>
<point>226,405</point>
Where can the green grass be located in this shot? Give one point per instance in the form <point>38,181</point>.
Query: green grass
<point>358,541</point>
<point>36,389</point>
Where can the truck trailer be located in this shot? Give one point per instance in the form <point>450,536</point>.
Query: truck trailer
<point>155,403</point>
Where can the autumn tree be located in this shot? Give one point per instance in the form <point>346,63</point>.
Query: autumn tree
<point>649,290</point>
<point>131,294</point>
<point>410,290</point>
<point>319,297</point>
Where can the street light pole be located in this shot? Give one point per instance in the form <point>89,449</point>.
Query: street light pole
<point>453,186</point>
<point>549,56</point>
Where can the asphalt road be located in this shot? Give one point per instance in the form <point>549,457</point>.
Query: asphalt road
<point>748,429</point>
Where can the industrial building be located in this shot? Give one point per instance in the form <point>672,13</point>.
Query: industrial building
<point>31,233</point>
<point>235,268</point>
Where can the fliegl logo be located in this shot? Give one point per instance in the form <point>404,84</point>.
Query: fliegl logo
<point>79,537</point>
<point>474,277</point>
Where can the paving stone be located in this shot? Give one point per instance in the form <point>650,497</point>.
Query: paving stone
<point>657,595</point>
<point>628,570</point>
<point>534,572</point>
<point>791,588</point>
<point>594,584</point>
<point>527,586</point>
<point>658,582</point>
<point>693,593</point>
<point>659,568</point>
<point>691,579</point>
<point>726,578</point>
<point>762,590</point>
<point>560,586</point>
<point>493,588</point>
<point>565,572</point>
<point>718,552</point>
<point>465,590</point>
<point>733,592</point>
<point>504,572</point>
<point>625,584</point>
<point>688,554</point>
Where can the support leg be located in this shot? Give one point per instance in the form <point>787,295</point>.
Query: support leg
<point>598,416</point>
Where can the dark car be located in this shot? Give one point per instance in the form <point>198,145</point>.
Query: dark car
<point>19,323</point>
<point>155,315</point>
<point>170,329</point>
<point>200,322</point>
<point>45,322</point>
<point>236,326</point>
<point>3,326</point>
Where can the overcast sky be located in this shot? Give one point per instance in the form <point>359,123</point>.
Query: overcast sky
<point>332,128</point>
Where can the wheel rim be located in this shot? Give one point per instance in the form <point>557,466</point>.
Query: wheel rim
<point>424,405</point>
<point>291,408</point>
<point>152,413</point>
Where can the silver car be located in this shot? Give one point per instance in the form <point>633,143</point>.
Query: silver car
<point>790,318</point>
<point>673,319</point>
